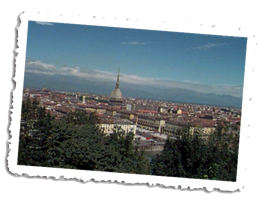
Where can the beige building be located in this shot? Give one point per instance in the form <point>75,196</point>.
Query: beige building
<point>151,123</point>
<point>179,112</point>
<point>171,128</point>
<point>96,109</point>
<point>110,126</point>
<point>116,97</point>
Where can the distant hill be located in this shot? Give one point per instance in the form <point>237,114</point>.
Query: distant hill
<point>70,83</point>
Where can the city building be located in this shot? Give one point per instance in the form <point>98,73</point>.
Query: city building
<point>109,126</point>
<point>116,95</point>
<point>138,115</point>
<point>150,123</point>
<point>128,107</point>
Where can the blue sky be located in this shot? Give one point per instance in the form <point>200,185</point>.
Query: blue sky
<point>194,59</point>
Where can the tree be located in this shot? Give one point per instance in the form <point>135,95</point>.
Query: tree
<point>80,117</point>
<point>35,126</point>
<point>193,156</point>
<point>183,157</point>
<point>76,142</point>
<point>223,153</point>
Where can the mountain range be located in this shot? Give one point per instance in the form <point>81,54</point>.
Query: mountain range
<point>72,83</point>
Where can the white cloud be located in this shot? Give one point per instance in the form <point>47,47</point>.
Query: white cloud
<point>41,64</point>
<point>39,67</point>
<point>44,23</point>
<point>189,81</point>
<point>208,46</point>
<point>133,43</point>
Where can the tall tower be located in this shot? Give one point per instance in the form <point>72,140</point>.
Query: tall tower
<point>117,80</point>
<point>116,95</point>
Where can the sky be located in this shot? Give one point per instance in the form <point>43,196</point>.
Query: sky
<point>202,63</point>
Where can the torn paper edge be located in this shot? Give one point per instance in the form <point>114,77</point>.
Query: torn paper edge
<point>99,176</point>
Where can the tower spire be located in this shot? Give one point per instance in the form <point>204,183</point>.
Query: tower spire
<point>116,95</point>
<point>117,81</point>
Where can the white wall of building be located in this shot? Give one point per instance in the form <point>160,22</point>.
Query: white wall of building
<point>110,128</point>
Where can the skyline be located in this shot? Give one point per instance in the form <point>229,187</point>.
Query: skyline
<point>205,64</point>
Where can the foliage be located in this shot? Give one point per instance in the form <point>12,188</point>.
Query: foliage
<point>75,142</point>
<point>79,117</point>
<point>193,156</point>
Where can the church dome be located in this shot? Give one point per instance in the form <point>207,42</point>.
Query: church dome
<point>116,94</point>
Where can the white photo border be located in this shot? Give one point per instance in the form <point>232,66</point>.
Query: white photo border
<point>85,175</point>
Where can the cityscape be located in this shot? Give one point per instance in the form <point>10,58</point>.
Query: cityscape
<point>132,101</point>
<point>151,121</point>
